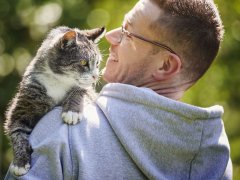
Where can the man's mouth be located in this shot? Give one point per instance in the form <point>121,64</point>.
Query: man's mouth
<point>112,58</point>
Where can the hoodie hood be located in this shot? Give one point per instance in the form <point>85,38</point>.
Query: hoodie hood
<point>148,98</point>
<point>158,133</point>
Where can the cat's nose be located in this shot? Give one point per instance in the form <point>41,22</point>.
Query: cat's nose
<point>94,77</point>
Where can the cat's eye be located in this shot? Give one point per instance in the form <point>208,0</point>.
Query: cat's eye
<point>83,62</point>
<point>97,64</point>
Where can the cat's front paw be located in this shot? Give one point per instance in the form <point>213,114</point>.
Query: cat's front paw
<point>71,117</point>
<point>19,171</point>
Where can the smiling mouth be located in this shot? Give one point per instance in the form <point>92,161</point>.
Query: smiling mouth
<point>111,58</point>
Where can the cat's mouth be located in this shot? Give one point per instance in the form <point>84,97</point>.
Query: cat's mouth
<point>86,85</point>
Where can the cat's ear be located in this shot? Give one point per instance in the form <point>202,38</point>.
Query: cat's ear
<point>68,39</point>
<point>95,34</point>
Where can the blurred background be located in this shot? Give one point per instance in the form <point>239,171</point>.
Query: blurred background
<point>24,24</point>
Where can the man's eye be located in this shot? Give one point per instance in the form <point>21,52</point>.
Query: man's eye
<point>128,37</point>
<point>83,62</point>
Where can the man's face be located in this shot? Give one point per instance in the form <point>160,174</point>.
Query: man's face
<point>129,61</point>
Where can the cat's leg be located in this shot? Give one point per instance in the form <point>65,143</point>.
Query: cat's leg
<point>73,106</point>
<point>18,127</point>
<point>21,117</point>
<point>21,151</point>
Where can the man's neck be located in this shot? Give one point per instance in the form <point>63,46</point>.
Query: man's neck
<point>170,90</point>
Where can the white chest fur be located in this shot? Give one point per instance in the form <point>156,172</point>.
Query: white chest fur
<point>57,85</point>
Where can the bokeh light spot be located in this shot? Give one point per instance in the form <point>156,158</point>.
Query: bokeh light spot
<point>98,18</point>
<point>48,14</point>
<point>7,64</point>
<point>22,59</point>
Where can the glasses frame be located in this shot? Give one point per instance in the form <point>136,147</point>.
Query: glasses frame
<point>129,34</point>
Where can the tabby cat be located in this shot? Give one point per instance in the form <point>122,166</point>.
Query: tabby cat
<point>64,68</point>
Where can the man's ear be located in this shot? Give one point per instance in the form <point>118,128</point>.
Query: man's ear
<point>171,65</point>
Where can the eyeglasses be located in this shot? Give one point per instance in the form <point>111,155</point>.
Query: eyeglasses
<point>129,34</point>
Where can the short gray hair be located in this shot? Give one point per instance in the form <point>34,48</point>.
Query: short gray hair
<point>193,28</point>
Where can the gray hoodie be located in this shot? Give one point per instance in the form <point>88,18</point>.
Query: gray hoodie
<point>132,133</point>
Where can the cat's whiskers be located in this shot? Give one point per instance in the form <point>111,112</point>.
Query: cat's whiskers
<point>101,73</point>
<point>99,43</point>
<point>105,55</point>
<point>103,52</point>
<point>98,82</point>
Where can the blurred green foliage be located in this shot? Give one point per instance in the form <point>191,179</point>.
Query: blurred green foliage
<point>24,24</point>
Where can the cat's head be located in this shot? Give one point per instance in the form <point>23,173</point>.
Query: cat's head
<point>73,53</point>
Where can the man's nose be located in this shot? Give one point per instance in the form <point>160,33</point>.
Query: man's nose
<point>113,36</point>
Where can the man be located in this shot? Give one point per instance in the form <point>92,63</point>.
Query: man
<point>137,129</point>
